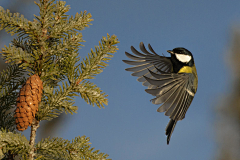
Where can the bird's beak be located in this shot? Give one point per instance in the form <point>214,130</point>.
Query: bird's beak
<point>169,51</point>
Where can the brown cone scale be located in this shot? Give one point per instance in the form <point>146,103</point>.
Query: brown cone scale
<point>27,102</point>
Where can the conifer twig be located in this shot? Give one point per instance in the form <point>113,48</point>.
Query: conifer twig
<point>34,127</point>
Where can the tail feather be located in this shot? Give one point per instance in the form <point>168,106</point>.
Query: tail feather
<point>169,129</point>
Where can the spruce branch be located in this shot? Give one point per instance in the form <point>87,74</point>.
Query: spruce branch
<point>54,16</point>
<point>92,94</point>
<point>58,148</point>
<point>93,65</point>
<point>48,47</point>
<point>13,22</point>
<point>57,101</point>
<point>96,60</point>
<point>55,148</point>
<point>61,99</point>
<point>14,143</point>
<point>16,55</point>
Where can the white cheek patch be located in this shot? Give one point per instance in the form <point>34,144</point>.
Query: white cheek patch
<point>183,58</point>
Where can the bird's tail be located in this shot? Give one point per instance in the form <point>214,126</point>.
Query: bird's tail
<point>169,129</point>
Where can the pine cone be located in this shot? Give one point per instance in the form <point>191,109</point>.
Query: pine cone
<point>27,102</point>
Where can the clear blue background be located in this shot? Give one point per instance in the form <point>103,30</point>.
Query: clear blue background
<point>129,127</point>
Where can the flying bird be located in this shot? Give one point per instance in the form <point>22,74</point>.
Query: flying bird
<point>172,80</point>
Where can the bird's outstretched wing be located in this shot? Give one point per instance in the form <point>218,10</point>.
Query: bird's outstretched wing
<point>175,92</point>
<point>147,61</point>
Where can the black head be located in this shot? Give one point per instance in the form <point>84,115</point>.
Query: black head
<point>181,57</point>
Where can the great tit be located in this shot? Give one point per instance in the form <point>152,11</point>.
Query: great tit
<point>172,80</point>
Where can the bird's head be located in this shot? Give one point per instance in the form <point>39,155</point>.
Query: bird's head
<point>182,55</point>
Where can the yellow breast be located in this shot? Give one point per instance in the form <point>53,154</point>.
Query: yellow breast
<point>187,69</point>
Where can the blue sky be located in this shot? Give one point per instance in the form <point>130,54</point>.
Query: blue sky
<point>129,127</point>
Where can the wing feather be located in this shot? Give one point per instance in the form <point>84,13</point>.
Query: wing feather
<point>133,57</point>
<point>140,67</point>
<point>134,62</point>
<point>151,49</point>
<point>143,49</point>
<point>145,62</point>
